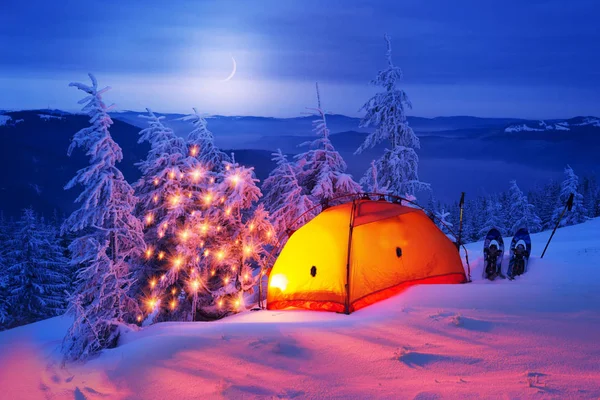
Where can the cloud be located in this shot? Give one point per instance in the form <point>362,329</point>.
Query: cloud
<point>509,43</point>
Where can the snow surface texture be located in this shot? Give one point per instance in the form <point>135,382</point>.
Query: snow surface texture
<point>559,126</point>
<point>47,117</point>
<point>535,337</point>
<point>7,120</point>
<point>4,119</point>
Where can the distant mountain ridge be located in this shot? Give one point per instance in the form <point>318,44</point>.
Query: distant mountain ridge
<point>463,157</point>
<point>554,125</point>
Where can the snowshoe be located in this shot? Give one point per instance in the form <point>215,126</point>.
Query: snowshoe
<point>520,249</point>
<point>493,251</point>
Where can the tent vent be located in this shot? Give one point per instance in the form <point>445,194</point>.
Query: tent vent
<point>313,271</point>
<point>398,252</point>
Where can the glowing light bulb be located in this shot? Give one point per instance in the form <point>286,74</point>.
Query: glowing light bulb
<point>206,253</point>
<point>226,280</point>
<point>156,182</point>
<point>228,211</point>
<point>195,284</point>
<point>204,228</point>
<point>139,318</point>
<point>181,175</point>
<point>161,234</point>
<point>173,291</point>
<point>173,304</point>
<point>246,276</point>
<point>251,226</point>
<point>175,200</point>
<point>227,167</point>
<point>208,198</point>
<point>213,272</point>
<point>177,262</point>
<point>237,303</point>
<point>218,229</point>
<point>172,175</point>
<point>194,151</point>
<point>235,179</point>
<point>148,252</point>
<point>163,277</point>
<point>185,235</point>
<point>161,255</point>
<point>233,268</point>
<point>149,218</point>
<point>152,283</point>
<point>212,180</point>
<point>152,303</point>
<point>269,233</point>
<point>196,174</point>
<point>220,303</point>
<point>247,250</point>
<point>155,198</point>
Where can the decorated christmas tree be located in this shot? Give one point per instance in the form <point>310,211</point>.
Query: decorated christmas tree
<point>206,237</point>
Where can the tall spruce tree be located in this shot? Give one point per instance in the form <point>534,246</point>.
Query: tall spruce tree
<point>37,271</point>
<point>494,217</point>
<point>386,113</point>
<point>5,234</point>
<point>110,236</point>
<point>522,213</point>
<point>284,198</point>
<point>321,170</point>
<point>578,213</point>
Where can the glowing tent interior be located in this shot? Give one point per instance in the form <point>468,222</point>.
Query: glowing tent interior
<point>358,253</point>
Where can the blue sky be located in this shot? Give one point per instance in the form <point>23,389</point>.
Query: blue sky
<point>518,58</point>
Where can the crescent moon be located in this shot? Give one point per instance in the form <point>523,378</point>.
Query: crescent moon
<point>232,72</point>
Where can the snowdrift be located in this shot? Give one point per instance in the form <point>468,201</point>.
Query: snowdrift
<point>535,337</point>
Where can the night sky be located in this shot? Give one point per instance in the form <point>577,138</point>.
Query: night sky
<point>509,58</point>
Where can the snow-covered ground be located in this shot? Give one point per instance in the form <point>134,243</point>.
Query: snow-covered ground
<point>536,337</point>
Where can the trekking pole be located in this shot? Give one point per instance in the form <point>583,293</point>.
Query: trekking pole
<point>568,206</point>
<point>460,223</point>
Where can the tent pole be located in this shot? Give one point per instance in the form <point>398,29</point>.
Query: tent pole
<point>352,212</point>
<point>461,205</point>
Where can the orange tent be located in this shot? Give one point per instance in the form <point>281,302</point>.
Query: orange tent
<point>357,253</point>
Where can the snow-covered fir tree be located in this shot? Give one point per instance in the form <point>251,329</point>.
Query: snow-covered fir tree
<point>163,172</point>
<point>373,184</point>
<point>284,198</point>
<point>386,113</point>
<point>38,273</point>
<point>202,226</point>
<point>443,222</point>
<point>110,236</point>
<point>321,170</point>
<point>5,234</point>
<point>521,213</point>
<point>493,217</point>
<point>547,203</point>
<point>591,195</point>
<point>214,252</point>
<point>578,213</point>
<point>200,143</point>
